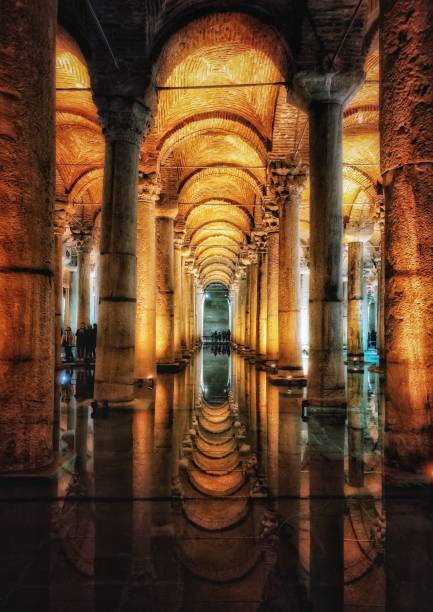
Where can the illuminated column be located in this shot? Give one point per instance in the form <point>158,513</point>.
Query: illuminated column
<point>324,96</point>
<point>407,169</point>
<point>248,307</point>
<point>96,240</point>
<point>272,287</point>
<point>243,307</point>
<point>253,300</point>
<point>27,157</point>
<point>165,287</point>
<point>145,323</point>
<point>262,294</point>
<point>124,122</point>
<point>381,289</point>
<point>183,330</point>
<point>356,236</point>
<point>185,295</point>
<point>287,181</point>
<point>178,314</point>
<point>59,228</point>
<point>67,291</point>
<point>84,246</point>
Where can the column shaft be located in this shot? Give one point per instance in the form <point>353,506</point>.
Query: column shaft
<point>262,294</point>
<point>355,343</point>
<point>325,368</point>
<point>145,325</point>
<point>289,294</point>
<point>253,306</point>
<point>272,285</point>
<point>407,169</point>
<point>27,157</point>
<point>164,290</point>
<point>177,303</point>
<point>58,295</point>
<point>123,122</point>
<point>83,260</point>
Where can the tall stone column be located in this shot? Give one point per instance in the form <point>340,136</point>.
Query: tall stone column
<point>356,236</point>
<point>84,246</point>
<point>381,289</point>
<point>262,294</point>
<point>165,288</point>
<point>243,307</point>
<point>248,307</point>
<point>59,228</point>
<point>67,274</point>
<point>272,344</point>
<point>27,157</point>
<point>145,317</point>
<point>178,315</point>
<point>253,302</point>
<point>286,182</point>
<point>124,121</point>
<point>324,96</point>
<point>406,114</point>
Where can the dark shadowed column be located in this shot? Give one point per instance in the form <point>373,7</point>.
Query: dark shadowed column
<point>27,36</point>
<point>406,114</point>
<point>324,96</point>
<point>124,122</point>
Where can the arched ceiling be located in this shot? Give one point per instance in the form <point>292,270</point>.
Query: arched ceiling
<point>221,114</point>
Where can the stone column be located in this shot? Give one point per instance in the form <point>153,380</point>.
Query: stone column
<point>84,246</point>
<point>272,347</point>
<point>247,307</point>
<point>262,294</point>
<point>165,287</point>
<point>27,157</point>
<point>124,121</point>
<point>324,96</point>
<point>253,301</point>
<point>59,228</point>
<point>355,236</point>
<point>67,274</point>
<point>406,113</point>
<point>177,338</point>
<point>286,182</point>
<point>145,323</point>
<point>243,307</point>
<point>381,289</point>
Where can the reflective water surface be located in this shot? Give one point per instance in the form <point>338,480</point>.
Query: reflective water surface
<point>217,492</point>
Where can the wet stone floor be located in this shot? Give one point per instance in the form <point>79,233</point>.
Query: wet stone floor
<point>216,493</point>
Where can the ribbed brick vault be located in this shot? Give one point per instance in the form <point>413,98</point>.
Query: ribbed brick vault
<point>212,140</point>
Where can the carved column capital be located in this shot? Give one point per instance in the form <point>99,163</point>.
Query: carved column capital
<point>271,222</point>
<point>60,215</point>
<point>149,189</point>
<point>359,232</point>
<point>260,238</point>
<point>82,236</point>
<point>286,179</point>
<point>123,119</point>
<point>328,87</point>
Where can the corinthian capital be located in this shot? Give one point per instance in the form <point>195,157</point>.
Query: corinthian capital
<point>286,179</point>
<point>123,119</point>
<point>149,188</point>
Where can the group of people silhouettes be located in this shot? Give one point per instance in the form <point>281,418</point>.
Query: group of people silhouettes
<point>84,340</point>
<point>221,336</point>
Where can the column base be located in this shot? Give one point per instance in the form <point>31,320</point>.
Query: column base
<point>325,407</point>
<point>176,366</point>
<point>283,378</point>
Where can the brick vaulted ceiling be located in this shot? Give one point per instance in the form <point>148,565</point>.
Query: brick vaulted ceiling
<point>216,80</point>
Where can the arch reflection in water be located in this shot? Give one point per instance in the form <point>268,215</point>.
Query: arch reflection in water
<point>214,493</point>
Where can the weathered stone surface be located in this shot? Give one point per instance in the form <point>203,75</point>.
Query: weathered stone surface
<point>407,166</point>
<point>27,32</point>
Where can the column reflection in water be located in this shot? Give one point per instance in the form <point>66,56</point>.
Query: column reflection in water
<point>165,506</point>
<point>326,458</point>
